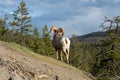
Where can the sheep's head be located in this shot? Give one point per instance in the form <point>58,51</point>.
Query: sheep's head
<point>57,31</point>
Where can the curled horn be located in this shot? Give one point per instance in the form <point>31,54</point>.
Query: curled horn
<point>61,31</point>
<point>53,28</point>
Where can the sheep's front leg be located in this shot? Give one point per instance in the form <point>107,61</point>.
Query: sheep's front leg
<point>58,55</point>
<point>61,56</point>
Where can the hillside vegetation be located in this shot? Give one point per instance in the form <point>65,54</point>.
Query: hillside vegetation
<point>99,52</point>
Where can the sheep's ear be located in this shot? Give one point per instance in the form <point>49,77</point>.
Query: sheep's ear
<point>61,31</point>
<point>53,28</point>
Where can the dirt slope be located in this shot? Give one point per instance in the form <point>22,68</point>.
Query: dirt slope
<point>18,65</point>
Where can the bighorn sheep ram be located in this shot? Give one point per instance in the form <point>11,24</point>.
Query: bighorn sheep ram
<point>60,43</point>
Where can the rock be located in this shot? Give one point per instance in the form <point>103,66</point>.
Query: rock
<point>55,77</point>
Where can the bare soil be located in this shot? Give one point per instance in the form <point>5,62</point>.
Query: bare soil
<point>15,65</point>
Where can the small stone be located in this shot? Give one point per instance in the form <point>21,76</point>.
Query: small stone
<point>10,78</point>
<point>55,77</point>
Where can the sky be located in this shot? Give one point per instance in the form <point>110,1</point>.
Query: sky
<point>77,17</point>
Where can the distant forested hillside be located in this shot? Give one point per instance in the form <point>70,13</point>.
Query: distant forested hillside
<point>89,37</point>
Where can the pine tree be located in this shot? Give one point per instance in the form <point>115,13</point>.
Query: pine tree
<point>5,33</point>
<point>2,24</point>
<point>21,19</point>
<point>108,61</point>
<point>49,50</point>
<point>36,32</point>
<point>46,34</point>
<point>35,41</point>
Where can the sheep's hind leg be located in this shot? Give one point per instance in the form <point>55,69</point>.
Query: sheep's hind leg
<point>67,55</point>
<point>57,55</point>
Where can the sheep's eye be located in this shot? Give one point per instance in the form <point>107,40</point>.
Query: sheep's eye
<point>55,31</point>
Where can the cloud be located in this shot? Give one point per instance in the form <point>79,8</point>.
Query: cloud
<point>116,1</point>
<point>88,20</point>
<point>7,12</point>
<point>8,6</point>
<point>75,16</point>
<point>10,2</point>
<point>6,3</point>
<point>82,24</point>
<point>94,1</point>
<point>38,13</point>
